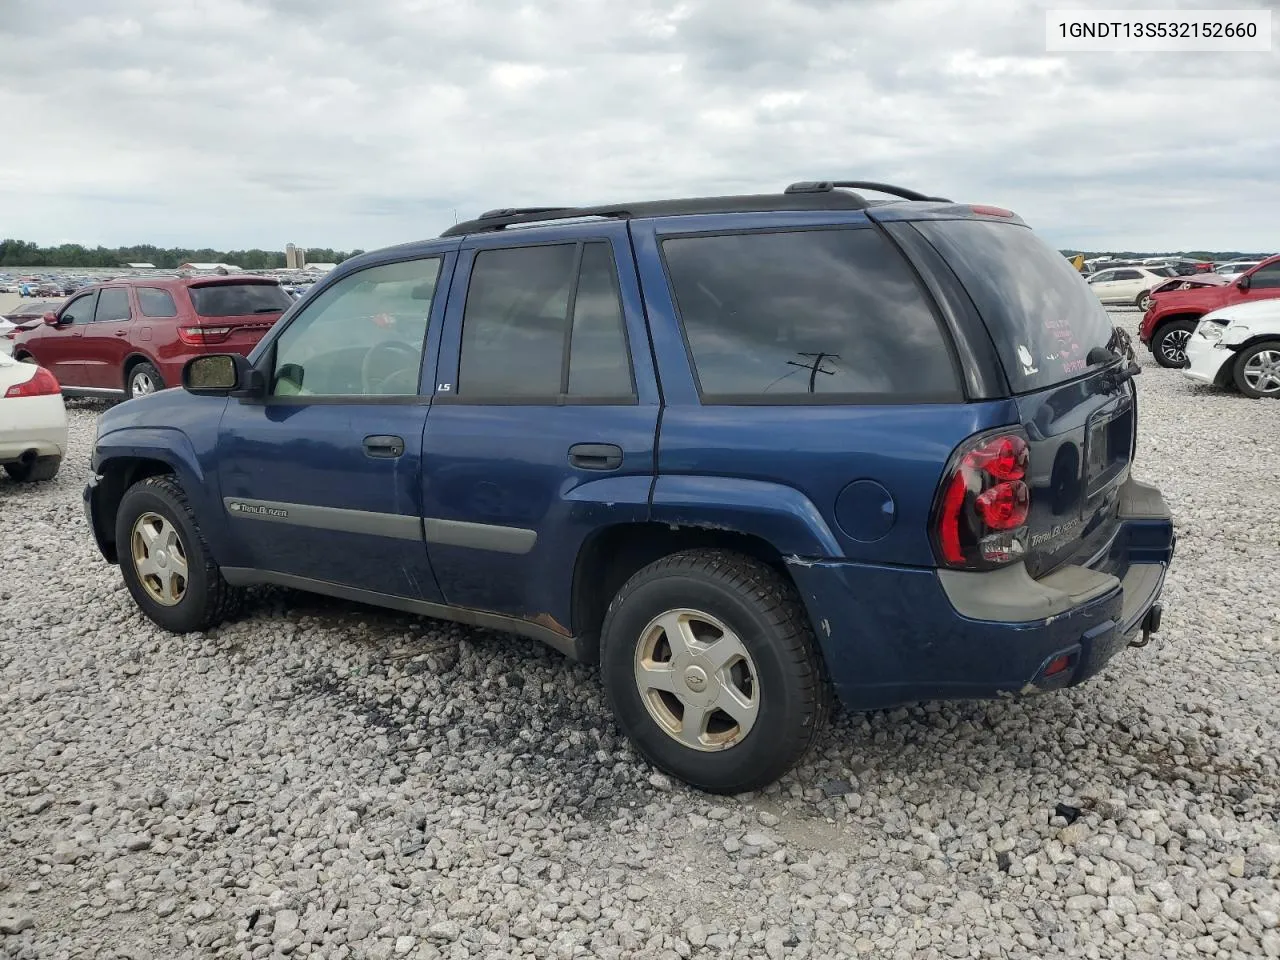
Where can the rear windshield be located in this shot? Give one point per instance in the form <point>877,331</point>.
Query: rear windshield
<point>239,299</point>
<point>1044,319</point>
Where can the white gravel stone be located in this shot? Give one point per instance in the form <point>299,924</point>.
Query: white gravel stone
<point>324,780</point>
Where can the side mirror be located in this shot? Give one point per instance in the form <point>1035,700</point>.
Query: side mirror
<point>50,318</point>
<point>222,375</point>
<point>1244,282</point>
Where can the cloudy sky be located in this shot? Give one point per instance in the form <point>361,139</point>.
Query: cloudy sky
<point>360,123</point>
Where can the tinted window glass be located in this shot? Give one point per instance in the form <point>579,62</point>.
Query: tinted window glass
<point>1128,275</point>
<point>514,322</point>
<point>79,310</point>
<point>1044,320</point>
<point>598,361</point>
<point>1268,278</point>
<point>239,299</point>
<point>156,303</point>
<point>363,336</point>
<point>806,312</point>
<point>1105,276</point>
<point>113,304</point>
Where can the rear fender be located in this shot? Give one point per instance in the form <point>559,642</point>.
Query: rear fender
<point>777,514</point>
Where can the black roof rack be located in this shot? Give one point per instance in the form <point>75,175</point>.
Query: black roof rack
<point>815,195</point>
<point>828,186</point>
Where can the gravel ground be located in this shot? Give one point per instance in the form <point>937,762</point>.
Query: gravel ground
<point>326,780</point>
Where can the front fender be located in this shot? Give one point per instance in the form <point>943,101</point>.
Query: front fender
<point>124,455</point>
<point>780,515</point>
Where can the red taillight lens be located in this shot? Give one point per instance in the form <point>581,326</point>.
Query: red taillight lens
<point>980,517</point>
<point>1005,505</point>
<point>43,384</point>
<point>201,335</point>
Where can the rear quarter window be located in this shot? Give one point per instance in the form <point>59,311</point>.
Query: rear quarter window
<point>1045,321</point>
<point>239,299</point>
<point>826,315</point>
<point>155,302</point>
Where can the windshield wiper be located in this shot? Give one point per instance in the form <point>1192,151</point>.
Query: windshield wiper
<point>1101,356</point>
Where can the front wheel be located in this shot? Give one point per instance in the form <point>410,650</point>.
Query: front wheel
<point>1257,370</point>
<point>1170,343</point>
<point>712,670</point>
<point>165,561</point>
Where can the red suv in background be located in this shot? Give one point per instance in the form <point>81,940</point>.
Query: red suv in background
<point>1173,315</point>
<point>132,336</point>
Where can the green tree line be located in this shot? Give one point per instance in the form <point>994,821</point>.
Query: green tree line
<point>22,253</point>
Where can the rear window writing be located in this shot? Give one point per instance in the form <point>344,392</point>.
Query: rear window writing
<point>820,314</point>
<point>239,299</point>
<point>1047,324</point>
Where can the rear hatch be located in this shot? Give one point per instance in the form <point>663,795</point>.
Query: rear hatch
<point>233,314</point>
<point>1063,359</point>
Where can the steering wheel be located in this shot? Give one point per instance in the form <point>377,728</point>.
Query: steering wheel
<point>374,381</point>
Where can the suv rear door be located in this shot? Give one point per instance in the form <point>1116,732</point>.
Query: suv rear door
<point>106,340</point>
<point>542,428</point>
<point>233,314</point>
<point>1059,351</point>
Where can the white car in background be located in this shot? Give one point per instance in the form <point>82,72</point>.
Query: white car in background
<point>1236,267</point>
<point>33,421</point>
<point>1239,345</point>
<point>1130,285</point>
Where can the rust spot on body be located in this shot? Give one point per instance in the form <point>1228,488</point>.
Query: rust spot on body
<point>550,622</point>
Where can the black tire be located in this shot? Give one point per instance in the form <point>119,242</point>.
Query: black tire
<point>142,373</point>
<point>1169,345</point>
<point>37,471</point>
<point>1240,369</point>
<point>208,599</point>
<point>1143,301</point>
<point>762,608</point>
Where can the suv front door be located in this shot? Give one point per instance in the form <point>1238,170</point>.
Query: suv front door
<point>545,412</point>
<point>321,480</point>
<point>61,348</point>
<point>106,340</point>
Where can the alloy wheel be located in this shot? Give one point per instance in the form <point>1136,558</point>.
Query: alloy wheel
<point>160,559</point>
<point>1174,346</point>
<point>697,680</point>
<point>1262,372</point>
<point>141,384</point>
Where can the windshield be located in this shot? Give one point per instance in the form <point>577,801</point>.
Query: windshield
<point>239,299</point>
<point>1046,323</point>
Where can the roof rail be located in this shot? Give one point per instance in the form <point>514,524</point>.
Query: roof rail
<point>827,186</point>
<point>758,203</point>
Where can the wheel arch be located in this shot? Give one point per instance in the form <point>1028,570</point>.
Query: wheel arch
<point>131,361</point>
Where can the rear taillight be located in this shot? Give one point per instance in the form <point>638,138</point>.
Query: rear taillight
<point>201,335</point>
<point>43,384</point>
<point>981,515</point>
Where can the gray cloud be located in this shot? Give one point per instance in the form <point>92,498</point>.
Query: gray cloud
<point>256,122</point>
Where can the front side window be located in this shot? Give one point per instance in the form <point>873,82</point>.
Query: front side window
<point>79,310</point>
<point>113,304</point>
<point>807,314</point>
<point>1267,278</point>
<point>155,302</point>
<point>362,337</point>
<point>542,322</point>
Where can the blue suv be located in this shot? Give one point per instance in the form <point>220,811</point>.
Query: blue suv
<point>745,452</point>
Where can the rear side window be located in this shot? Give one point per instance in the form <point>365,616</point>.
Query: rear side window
<point>155,302</point>
<point>542,322</point>
<point>113,304</point>
<point>1047,324</point>
<point>239,299</point>
<point>807,315</point>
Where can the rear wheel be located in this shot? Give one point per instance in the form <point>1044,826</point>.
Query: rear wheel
<point>34,471</point>
<point>142,380</point>
<point>1170,343</point>
<point>165,561</point>
<point>1257,370</point>
<point>712,670</point>
<point>1143,302</point>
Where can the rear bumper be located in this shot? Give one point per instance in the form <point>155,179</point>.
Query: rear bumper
<point>894,635</point>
